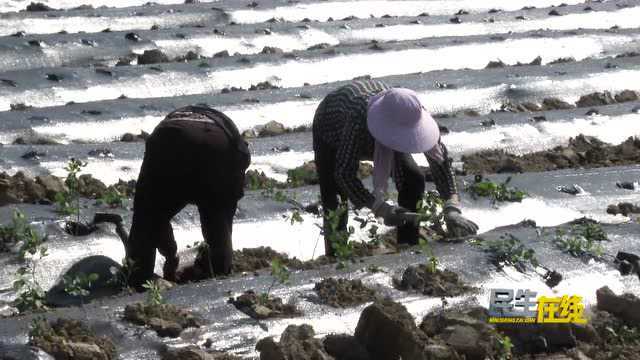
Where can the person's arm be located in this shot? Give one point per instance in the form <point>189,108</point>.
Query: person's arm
<point>444,179</point>
<point>347,163</point>
<point>442,172</point>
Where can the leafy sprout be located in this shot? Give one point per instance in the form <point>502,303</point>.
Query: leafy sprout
<point>497,192</point>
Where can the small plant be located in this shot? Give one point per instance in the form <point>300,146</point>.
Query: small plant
<point>154,293</point>
<point>280,275</point>
<point>430,211</point>
<point>432,261</point>
<point>113,198</point>
<point>302,175</point>
<point>30,295</point>
<point>20,231</point>
<point>504,347</point>
<point>68,202</point>
<point>339,238</point>
<point>508,250</point>
<point>79,285</point>
<point>575,243</point>
<point>121,275</point>
<point>498,192</point>
<point>295,217</point>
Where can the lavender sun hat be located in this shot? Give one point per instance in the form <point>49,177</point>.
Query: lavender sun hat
<point>397,120</point>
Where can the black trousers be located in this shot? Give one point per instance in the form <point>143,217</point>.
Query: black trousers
<point>185,162</point>
<point>409,180</point>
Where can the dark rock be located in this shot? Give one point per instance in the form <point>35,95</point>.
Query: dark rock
<point>554,13</point>
<point>272,128</point>
<point>89,42</point>
<point>101,153</point>
<point>91,112</point>
<point>537,119</point>
<point>20,33</point>
<point>623,208</point>
<point>495,64</point>
<point>104,71</point>
<point>35,43</point>
<point>271,50</point>
<point>439,283</point>
<point>627,185</point>
<point>493,11</point>
<point>128,137</point>
<point>166,319</point>
<point>320,46</point>
<point>455,20</point>
<point>132,37</point>
<point>8,82</point>
<point>31,137</point>
<point>154,56</point>
<point>223,53</point>
<point>296,342</point>
<point>189,56</point>
<point>263,307</point>
<point>345,347</point>
<point>596,99</point>
<point>51,185</point>
<point>562,60</point>
<point>625,306</point>
<point>265,85</point>
<point>71,339</point>
<point>488,123</point>
<point>343,293</point>
<point>626,95</point>
<point>33,155</point>
<point>538,338</point>
<point>55,77</point>
<point>192,352</point>
<point>462,12</point>
<point>36,6</point>
<point>592,112</point>
<point>555,104</point>
<point>388,331</point>
<point>521,17</point>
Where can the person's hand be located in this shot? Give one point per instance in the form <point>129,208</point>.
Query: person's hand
<point>458,225</point>
<point>396,215</point>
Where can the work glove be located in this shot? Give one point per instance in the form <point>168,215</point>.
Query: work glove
<point>395,215</point>
<point>458,225</point>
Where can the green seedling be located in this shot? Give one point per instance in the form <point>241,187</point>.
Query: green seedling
<point>30,295</point>
<point>508,250</point>
<point>68,202</point>
<point>431,214</point>
<point>154,293</point>
<point>431,261</point>
<point>295,217</point>
<point>280,274</point>
<point>79,286</point>
<point>113,198</point>
<point>497,192</point>
<point>577,245</point>
<point>504,347</point>
<point>339,238</point>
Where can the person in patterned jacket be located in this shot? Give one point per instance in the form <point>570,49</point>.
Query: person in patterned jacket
<point>368,120</point>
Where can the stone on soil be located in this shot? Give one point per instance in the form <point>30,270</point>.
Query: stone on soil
<point>625,306</point>
<point>440,283</point>
<point>387,330</point>
<point>166,319</point>
<point>70,339</point>
<point>296,342</point>
<point>259,307</point>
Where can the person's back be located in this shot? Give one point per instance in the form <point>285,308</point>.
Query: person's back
<point>194,156</point>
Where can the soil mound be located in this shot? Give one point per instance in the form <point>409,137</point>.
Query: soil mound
<point>438,283</point>
<point>343,293</point>
<point>165,319</point>
<point>70,339</point>
<point>582,152</point>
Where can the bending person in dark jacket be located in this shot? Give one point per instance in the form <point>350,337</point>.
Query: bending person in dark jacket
<point>194,156</point>
<point>368,120</point>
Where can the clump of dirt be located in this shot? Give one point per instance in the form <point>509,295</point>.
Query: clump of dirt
<point>342,293</point>
<point>70,339</point>
<point>249,260</point>
<point>296,342</point>
<point>20,188</point>
<point>623,208</point>
<point>582,152</point>
<point>263,306</point>
<point>438,283</point>
<point>165,319</point>
<point>195,353</point>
